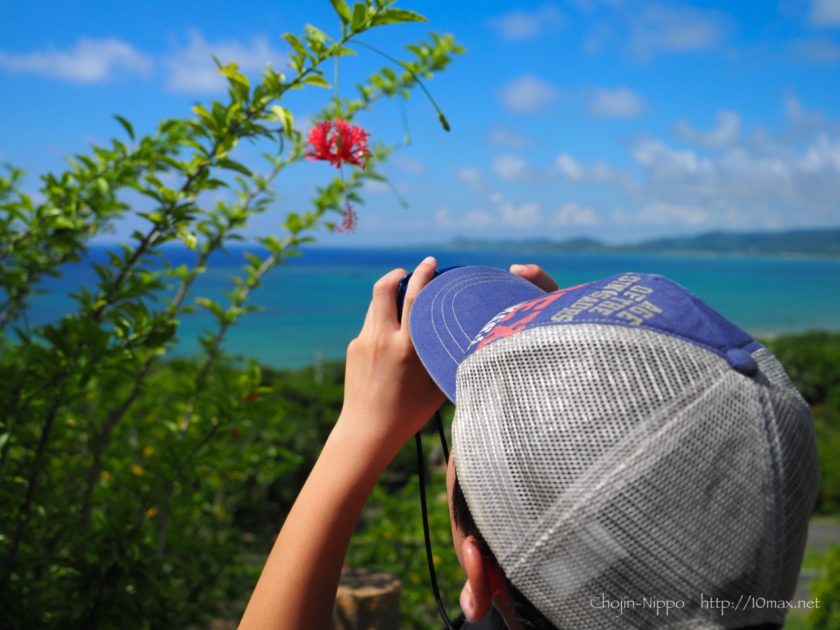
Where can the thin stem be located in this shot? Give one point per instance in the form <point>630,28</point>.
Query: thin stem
<point>103,436</point>
<point>441,117</point>
<point>212,354</point>
<point>31,484</point>
<point>406,128</point>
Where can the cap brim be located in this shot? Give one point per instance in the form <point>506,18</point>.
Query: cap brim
<point>453,308</point>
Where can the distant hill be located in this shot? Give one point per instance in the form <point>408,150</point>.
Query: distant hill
<point>824,242</point>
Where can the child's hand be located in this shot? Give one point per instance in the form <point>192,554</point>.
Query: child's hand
<point>388,396</point>
<point>535,275</point>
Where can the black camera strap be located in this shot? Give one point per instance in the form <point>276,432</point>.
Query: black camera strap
<point>424,509</point>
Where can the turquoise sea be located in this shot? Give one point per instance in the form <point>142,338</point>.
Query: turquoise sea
<point>314,305</point>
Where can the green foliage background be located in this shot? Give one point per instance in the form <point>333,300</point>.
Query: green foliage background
<point>813,362</point>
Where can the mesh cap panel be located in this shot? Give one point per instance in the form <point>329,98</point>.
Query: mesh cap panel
<point>608,464</point>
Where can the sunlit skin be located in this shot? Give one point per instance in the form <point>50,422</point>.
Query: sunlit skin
<point>388,397</point>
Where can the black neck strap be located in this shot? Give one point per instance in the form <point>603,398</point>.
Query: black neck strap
<point>426,534</point>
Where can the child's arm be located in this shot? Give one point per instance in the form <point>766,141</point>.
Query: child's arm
<point>387,398</point>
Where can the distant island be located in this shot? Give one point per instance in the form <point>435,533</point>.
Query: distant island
<point>811,242</point>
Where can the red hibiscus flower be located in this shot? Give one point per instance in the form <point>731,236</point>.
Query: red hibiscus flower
<point>337,142</point>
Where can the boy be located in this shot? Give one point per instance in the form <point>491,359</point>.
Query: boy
<point>625,457</point>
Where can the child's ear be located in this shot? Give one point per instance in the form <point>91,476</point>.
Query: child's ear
<point>477,594</point>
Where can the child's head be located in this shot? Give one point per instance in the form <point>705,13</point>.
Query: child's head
<point>621,450</point>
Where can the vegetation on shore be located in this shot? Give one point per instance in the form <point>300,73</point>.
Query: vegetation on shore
<point>812,243</point>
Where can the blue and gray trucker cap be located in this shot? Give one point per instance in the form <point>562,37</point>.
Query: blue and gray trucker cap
<point>621,441</point>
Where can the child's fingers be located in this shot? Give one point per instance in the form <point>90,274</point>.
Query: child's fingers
<point>368,323</point>
<point>383,305</point>
<point>423,273</point>
<point>535,275</point>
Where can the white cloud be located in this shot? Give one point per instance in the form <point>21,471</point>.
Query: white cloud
<point>442,218</point>
<point>656,28</point>
<point>517,216</point>
<point>724,133</point>
<point>662,160</point>
<point>744,186</point>
<point>807,123</point>
<point>528,94</point>
<point>825,13</point>
<point>573,170</point>
<point>615,103</point>
<point>569,167</point>
<point>89,61</point>
<point>662,213</point>
<point>477,219</point>
<point>374,186</point>
<point>510,167</point>
<point>822,156</point>
<point>410,165</point>
<point>652,28</point>
<point>471,177</point>
<point>508,138</point>
<point>191,69</point>
<point>728,176</point>
<point>573,214</point>
<point>525,25</point>
<point>473,220</point>
<point>819,49</point>
<point>520,216</point>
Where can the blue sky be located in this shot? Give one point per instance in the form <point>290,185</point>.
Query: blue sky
<point>617,119</point>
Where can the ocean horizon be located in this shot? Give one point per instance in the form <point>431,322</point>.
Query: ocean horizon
<point>313,305</point>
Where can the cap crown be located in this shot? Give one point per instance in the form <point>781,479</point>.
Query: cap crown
<point>618,458</point>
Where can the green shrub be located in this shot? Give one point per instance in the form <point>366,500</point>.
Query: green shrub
<point>813,362</point>
<point>826,589</point>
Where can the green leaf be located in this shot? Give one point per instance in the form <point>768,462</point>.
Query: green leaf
<point>360,16</point>
<point>231,71</point>
<point>397,16</point>
<point>293,223</point>
<point>285,116</point>
<point>125,125</point>
<point>188,238</point>
<point>255,261</point>
<point>206,116</point>
<point>234,166</point>
<point>443,121</point>
<point>315,35</point>
<point>316,80</point>
<point>295,43</point>
<point>342,10</point>
<point>210,305</point>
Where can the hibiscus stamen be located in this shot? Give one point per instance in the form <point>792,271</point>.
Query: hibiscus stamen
<point>338,142</point>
